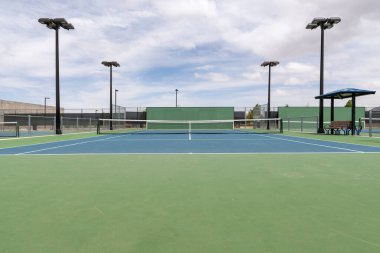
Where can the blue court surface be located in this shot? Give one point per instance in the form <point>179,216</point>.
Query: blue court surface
<point>190,144</point>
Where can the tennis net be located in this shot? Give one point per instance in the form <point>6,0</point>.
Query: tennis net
<point>253,126</point>
<point>9,129</point>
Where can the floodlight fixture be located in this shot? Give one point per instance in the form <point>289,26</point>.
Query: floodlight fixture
<point>111,64</point>
<point>60,21</point>
<point>324,24</point>
<point>318,21</point>
<point>311,26</point>
<point>55,24</point>
<point>44,21</point>
<point>327,26</point>
<point>270,64</point>
<point>335,20</point>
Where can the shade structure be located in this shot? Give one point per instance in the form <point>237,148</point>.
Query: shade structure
<point>342,94</point>
<point>345,93</point>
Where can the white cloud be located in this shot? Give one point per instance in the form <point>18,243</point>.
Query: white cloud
<point>223,42</point>
<point>213,77</point>
<point>204,67</point>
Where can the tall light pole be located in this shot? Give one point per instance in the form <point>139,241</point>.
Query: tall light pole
<point>176,100</point>
<point>110,64</point>
<point>324,24</point>
<point>116,90</point>
<point>270,64</point>
<point>55,24</point>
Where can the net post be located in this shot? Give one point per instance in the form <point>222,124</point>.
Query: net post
<point>98,127</point>
<point>281,126</point>
<point>17,130</point>
<point>301,124</point>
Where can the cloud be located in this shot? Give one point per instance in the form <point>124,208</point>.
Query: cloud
<point>210,50</point>
<point>212,76</point>
<point>204,67</point>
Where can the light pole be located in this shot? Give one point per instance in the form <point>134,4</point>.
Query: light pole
<point>176,100</point>
<point>116,90</point>
<point>55,24</point>
<point>110,64</point>
<point>270,64</point>
<point>324,24</point>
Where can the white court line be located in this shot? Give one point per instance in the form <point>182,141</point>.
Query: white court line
<point>314,144</point>
<point>355,136</point>
<point>189,136</point>
<point>67,145</point>
<point>190,139</point>
<point>194,153</point>
<point>42,143</point>
<point>41,136</point>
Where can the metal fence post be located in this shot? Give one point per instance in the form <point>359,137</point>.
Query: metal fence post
<point>370,124</point>
<point>30,125</point>
<point>317,123</point>
<point>288,125</point>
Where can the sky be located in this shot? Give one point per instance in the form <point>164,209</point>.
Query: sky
<point>210,50</point>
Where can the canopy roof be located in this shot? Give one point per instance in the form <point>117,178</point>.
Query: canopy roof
<point>345,93</point>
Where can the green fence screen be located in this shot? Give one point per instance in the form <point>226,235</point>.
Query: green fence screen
<point>340,113</point>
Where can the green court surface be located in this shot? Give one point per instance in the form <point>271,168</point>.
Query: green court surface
<point>361,140</point>
<point>190,203</point>
<point>16,142</point>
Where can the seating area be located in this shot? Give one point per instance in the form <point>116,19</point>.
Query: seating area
<point>337,127</point>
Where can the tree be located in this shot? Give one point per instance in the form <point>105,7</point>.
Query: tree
<point>349,103</point>
<point>255,112</point>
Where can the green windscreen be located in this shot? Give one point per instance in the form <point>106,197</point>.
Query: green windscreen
<point>190,114</point>
<point>340,113</point>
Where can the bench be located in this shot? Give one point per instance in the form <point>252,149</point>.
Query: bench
<point>335,127</point>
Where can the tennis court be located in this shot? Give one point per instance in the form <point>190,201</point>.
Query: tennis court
<point>185,143</point>
<point>198,192</point>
